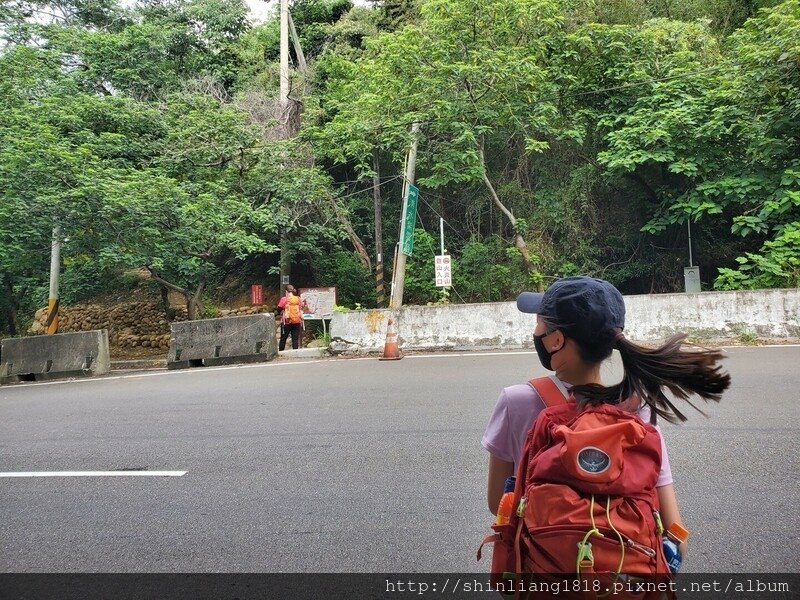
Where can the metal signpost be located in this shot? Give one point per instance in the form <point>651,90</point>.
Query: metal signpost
<point>691,274</point>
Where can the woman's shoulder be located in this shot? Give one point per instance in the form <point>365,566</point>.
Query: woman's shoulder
<point>519,397</point>
<point>516,410</point>
<point>643,411</point>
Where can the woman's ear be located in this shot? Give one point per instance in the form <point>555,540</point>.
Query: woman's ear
<point>554,342</point>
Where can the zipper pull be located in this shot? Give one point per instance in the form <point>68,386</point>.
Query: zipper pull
<point>659,524</point>
<point>521,508</point>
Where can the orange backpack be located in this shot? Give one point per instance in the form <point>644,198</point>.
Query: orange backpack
<point>291,312</point>
<point>586,501</point>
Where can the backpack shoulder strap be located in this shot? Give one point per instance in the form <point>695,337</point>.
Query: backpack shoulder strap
<point>549,391</point>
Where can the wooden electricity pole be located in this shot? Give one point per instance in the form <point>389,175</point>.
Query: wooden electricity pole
<point>399,274</point>
<point>284,119</point>
<point>284,62</point>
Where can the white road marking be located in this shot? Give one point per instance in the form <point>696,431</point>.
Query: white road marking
<point>94,474</point>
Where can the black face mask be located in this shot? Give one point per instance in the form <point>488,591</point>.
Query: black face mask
<point>545,357</point>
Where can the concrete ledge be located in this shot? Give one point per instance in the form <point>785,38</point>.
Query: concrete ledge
<point>707,316</point>
<point>137,364</point>
<point>230,340</point>
<point>41,357</point>
<point>303,353</point>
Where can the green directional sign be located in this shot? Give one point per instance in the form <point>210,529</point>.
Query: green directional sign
<point>409,220</point>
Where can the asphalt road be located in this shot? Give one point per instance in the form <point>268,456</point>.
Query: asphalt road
<point>349,466</point>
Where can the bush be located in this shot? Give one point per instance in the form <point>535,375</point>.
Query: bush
<point>83,278</point>
<point>489,271</point>
<point>420,282</point>
<point>343,270</point>
<point>777,265</point>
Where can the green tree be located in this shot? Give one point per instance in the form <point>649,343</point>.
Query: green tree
<point>176,230</point>
<point>25,20</point>
<point>727,139</point>
<point>472,73</point>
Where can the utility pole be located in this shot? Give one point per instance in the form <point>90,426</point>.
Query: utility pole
<point>399,274</point>
<point>285,263</point>
<point>55,268</point>
<point>376,197</point>
<point>283,103</point>
<point>284,62</point>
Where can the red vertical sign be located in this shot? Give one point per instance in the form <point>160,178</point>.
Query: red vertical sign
<point>256,295</point>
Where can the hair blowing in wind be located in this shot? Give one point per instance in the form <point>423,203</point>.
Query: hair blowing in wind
<point>649,372</point>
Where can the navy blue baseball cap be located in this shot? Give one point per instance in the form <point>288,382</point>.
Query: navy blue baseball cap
<point>582,307</point>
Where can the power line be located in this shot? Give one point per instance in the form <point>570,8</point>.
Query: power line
<point>361,180</point>
<point>356,193</point>
<point>433,210</point>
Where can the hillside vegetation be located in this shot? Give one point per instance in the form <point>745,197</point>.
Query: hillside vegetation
<point>556,137</point>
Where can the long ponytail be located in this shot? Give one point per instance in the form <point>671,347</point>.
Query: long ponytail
<point>648,372</point>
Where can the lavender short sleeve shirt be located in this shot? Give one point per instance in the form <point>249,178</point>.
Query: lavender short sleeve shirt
<point>515,413</point>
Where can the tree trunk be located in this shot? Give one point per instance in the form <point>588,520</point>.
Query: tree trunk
<point>519,241</point>
<point>194,306</point>
<point>169,312</point>
<point>351,233</point>
<point>193,303</point>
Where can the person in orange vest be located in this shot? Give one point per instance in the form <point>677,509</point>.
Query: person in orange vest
<point>292,308</point>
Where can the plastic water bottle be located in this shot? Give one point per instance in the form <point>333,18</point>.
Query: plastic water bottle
<point>674,537</point>
<point>506,506</point>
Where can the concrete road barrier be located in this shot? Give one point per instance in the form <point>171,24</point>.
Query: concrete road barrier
<point>35,358</point>
<point>208,342</point>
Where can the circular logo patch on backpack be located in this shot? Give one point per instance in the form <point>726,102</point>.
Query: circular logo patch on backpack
<point>593,460</point>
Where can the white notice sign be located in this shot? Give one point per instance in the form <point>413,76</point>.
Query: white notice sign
<point>444,276</point>
<point>320,301</point>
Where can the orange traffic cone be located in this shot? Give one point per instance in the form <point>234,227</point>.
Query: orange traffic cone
<point>391,351</point>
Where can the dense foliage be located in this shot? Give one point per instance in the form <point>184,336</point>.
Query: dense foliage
<point>556,137</point>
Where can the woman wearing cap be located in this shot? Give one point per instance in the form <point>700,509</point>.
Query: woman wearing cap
<point>579,322</point>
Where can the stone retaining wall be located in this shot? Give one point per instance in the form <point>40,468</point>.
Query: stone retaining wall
<point>711,316</point>
<point>129,324</point>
